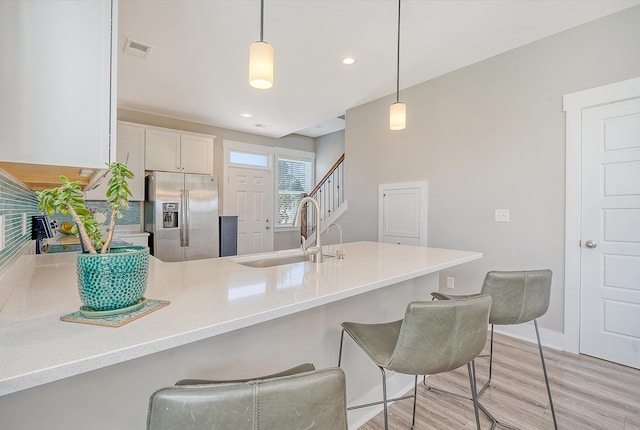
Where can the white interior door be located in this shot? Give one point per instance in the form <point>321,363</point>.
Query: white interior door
<point>610,237</point>
<point>251,193</point>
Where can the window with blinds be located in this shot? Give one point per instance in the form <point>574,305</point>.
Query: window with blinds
<point>294,178</point>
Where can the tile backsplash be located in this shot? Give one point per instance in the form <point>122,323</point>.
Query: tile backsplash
<point>129,217</point>
<point>15,200</point>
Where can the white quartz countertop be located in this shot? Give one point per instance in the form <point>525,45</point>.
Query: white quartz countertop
<point>208,298</point>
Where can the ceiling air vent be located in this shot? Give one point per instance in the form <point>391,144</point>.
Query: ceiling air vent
<point>136,48</point>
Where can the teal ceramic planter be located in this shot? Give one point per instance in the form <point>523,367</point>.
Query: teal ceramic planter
<point>115,280</point>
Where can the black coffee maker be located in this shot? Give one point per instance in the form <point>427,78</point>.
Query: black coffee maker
<point>41,228</point>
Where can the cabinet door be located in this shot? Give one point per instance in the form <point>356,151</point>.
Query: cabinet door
<point>56,101</point>
<point>162,150</point>
<point>402,213</point>
<point>130,141</point>
<point>196,154</point>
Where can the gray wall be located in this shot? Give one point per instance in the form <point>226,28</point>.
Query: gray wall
<point>328,149</point>
<point>490,136</point>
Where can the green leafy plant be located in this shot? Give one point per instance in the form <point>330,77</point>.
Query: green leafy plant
<point>68,199</point>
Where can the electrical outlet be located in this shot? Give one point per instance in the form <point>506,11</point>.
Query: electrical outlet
<point>2,232</point>
<point>502,215</point>
<point>24,224</point>
<point>450,282</point>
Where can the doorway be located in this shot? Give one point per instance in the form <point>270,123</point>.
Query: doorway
<point>602,247</point>
<point>249,195</point>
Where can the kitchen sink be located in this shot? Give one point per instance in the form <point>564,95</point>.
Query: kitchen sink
<point>271,261</point>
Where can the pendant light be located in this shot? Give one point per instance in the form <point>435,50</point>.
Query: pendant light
<point>261,59</point>
<point>398,110</point>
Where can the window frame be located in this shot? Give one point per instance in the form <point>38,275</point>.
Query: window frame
<point>294,155</point>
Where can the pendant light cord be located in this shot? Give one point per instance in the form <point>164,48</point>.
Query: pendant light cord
<point>261,20</point>
<point>398,62</point>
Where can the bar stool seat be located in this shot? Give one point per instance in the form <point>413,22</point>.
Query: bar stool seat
<point>433,337</point>
<point>518,297</point>
<point>298,399</point>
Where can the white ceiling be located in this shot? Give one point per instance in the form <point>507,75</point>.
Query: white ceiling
<point>197,69</point>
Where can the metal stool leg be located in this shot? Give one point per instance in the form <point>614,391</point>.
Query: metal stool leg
<point>340,353</point>
<point>471,368</point>
<point>546,378</point>
<point>484,387</point>
<point>384,398</point>
<point>415,400</point>
<point>384,392</point>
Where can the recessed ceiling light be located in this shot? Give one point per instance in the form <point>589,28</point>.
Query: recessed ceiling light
<point>246,115</point>
<point>348,60</point>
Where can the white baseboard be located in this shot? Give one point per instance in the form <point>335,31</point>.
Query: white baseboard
<point>527,332</point>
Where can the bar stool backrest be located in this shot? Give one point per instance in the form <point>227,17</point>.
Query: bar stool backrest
<point>313,399</point>
<point>518,296</point>
<point>438,336</point>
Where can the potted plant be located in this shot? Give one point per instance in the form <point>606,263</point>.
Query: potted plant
<point>108,279</point>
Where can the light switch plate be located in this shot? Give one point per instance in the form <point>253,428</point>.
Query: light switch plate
<point>450,282</point>
<point>502,215</point>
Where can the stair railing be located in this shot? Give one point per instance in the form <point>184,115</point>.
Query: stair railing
<point>329,192</point>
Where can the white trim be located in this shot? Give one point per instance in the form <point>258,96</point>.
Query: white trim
<point>527,332</point>
<point>574,104</point>
<point>230,145</point>
<point>296,155</point>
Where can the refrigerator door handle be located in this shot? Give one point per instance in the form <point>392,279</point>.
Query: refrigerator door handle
<point>183,216</point>
<point>187,223</point>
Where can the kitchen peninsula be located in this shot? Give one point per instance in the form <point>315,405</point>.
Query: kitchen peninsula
<point>225,320</point>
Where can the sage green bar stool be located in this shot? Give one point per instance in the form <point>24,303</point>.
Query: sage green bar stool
<point>298,399</point>
<point>518,297</point>
<point>433,337</point>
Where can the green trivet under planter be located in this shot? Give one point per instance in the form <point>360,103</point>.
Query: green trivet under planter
<point>90,313</point>
<point>149,305</point>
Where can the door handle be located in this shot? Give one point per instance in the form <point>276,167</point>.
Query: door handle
<point>590,244</point>
<point>187,221</point>
<point>267,228</point>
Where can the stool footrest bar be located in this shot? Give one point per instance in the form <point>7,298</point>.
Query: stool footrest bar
<point>366,405</point>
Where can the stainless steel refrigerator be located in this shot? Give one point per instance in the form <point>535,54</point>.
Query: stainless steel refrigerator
<point>181,215</point>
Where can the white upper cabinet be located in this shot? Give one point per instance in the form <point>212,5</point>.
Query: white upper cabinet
<point>162,150</point>
<point>178,151</point>
<point>58,82</point>
<point>196,153</point>
<point>130,143</point>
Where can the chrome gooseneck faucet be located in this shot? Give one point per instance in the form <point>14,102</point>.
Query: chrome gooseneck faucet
<point>313,252</point>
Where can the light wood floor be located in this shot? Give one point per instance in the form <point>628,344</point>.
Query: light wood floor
<point>588,393</point>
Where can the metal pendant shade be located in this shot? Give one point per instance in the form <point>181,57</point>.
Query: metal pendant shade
<point>261,59</point>
<point>398,110</point>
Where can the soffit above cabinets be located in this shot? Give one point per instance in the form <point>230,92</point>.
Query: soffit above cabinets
<point>40,176</point>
